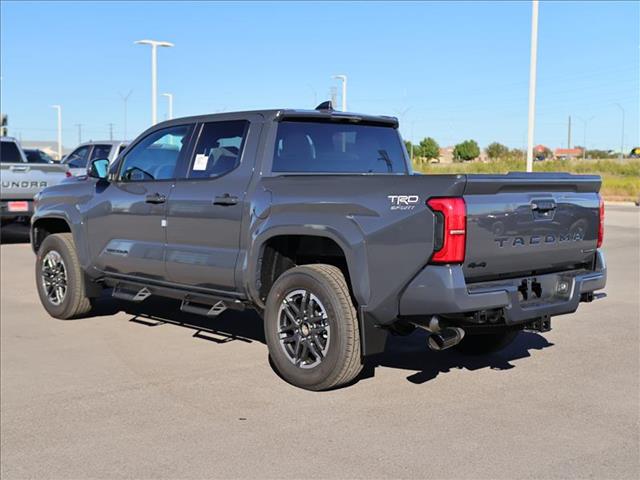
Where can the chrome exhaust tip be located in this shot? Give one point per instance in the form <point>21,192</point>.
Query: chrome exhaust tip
<point>445,338</point>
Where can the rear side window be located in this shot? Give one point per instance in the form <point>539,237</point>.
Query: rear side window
<point>10,153</point>
<point>218,149</point>
<point>337,148</point>
<point>100,151</point>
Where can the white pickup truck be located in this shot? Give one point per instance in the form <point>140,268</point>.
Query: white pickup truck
<point>21,181</point>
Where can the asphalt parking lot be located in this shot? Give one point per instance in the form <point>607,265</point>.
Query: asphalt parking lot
<point>167,395</point>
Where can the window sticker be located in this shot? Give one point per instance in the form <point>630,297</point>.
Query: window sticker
<point>201,162</point>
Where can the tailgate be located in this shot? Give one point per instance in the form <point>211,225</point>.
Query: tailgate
<point>523,224</point>
<point>23,180</point>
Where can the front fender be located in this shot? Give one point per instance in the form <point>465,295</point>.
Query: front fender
<point>57,203</point>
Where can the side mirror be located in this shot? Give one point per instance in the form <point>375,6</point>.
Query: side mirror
<point>99,168</point>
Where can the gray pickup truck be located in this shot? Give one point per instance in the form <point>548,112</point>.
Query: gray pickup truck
<point>86,152</point>
<point>315,220</point>
<point>21,180</point>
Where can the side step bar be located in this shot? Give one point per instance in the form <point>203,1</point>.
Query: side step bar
<point>196,303</point>
<point>138,295</point>
<point>188,306</point>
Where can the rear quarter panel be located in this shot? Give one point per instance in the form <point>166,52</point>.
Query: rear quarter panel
<point>386,242</point>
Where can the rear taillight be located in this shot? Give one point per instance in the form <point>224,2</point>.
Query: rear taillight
<point>601,223</point>
<point>68,174</point>
<point>453,224</point>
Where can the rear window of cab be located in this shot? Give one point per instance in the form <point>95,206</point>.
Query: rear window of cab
<point>317,147</point>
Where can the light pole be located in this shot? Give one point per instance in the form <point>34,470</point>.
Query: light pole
<point>59,108</point>
<point>125,99</point>
<point>532,83</point>
<point>170,101</point>
<point>622,136</point>
<point>154,73</point>
<point>585,122</point>
<point>343,78</point>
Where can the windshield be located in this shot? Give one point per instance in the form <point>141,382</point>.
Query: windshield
<point>10,153</point>
<point>337,148</point>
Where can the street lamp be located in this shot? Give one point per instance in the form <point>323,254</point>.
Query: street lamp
<point>622,136</point>
<point>532,83</point>
<point>154,73</point>
<point>170,100</point>
<point>343,78</point>
<point>59,109</point>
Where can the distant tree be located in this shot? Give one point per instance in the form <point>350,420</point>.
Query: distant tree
<point>598,153</point>
<point>496,150</point>
<point>407,144</point>
<point>429,148</point>
<point>517,153</point>
<point>467,150</point>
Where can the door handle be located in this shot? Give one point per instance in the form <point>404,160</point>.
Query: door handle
<point>543,206</point>
<point>15,168</point>
<point>155,198</point>
<point>225,200</point>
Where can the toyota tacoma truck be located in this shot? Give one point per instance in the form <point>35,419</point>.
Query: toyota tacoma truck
<point>315,219</point>
<point>21,180</point>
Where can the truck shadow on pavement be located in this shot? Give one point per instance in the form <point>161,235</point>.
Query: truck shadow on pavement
<point>244,326</point>
<point>14,233</point>
<point>412,353</point>
<point>405,353</point>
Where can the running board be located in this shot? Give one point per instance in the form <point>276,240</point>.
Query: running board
<point>196,303</point>
<point>189,306</point>
<point>132,296</point>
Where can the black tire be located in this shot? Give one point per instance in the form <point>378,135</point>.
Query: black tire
<point>74,302</point>
<point>342,361</point>
<point>482,344</point>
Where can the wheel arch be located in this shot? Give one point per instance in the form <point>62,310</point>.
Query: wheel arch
<point>42,227</point>
<point>280,249</point>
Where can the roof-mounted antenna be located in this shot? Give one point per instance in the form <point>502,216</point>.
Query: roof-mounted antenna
<point>326,106</point>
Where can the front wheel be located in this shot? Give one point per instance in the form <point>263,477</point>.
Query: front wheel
<point>481,344</point>
<point>59,278</point>
<point>311,327</point>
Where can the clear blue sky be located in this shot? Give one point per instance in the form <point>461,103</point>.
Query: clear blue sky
<point>461,69</point>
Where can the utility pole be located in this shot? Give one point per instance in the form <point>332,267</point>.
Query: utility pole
<point>154,74</point>
<point>622,135</point>
<point>79,125</point>
<point>343,78</point>
<point>569,134</point>
<point>170,106</point>
<point>110,131</point>
<point>585,122</point>
<point>125,99</point>
<point>59,109</point>
<point>532,83</point>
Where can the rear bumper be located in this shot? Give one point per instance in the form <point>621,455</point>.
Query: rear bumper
<point>442,290</point>
<point>8,214</point>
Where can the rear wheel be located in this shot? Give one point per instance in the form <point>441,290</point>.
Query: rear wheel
<point>312,328</point>
<point>59,278</point>
<point>481,344</point>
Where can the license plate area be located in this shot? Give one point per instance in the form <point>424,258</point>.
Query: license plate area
<point>534,291</point>
<point>18,206</point>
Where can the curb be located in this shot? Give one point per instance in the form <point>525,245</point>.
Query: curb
<point>620,204</point>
